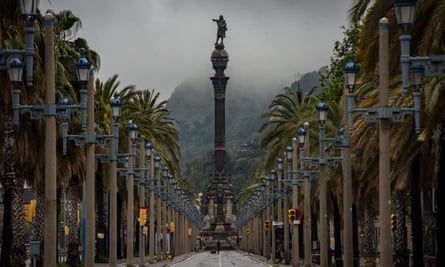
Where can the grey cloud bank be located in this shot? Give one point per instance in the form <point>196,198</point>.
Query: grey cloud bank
<point>157,44</point>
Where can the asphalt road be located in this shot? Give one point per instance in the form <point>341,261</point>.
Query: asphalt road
<point>225,258</point>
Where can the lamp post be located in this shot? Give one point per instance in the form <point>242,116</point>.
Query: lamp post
<point>302,132</point>
<point>321,161</point>
<point>295,183</point>
<point>157,194</point>
<point>386,114</point>
<point>50,228</point>
<point>281,215</point>
<point>322,115</point>
<point>151,209</point>
<point>146,151</point>
<point>115,105</point>
<point>133,130</point>
<point>269,218</point>
<point>163,192</point>
<point>170,203</point>
<point>286,225</point>
<point>273,214</point>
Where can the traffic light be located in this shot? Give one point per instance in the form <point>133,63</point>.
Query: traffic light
<point>291,216</point>
<point>30,210</point>
<point>266,225</point>
<point>393,221</point>
<point>142,216</point>
<point>172,227</point>
<point>28,213</point>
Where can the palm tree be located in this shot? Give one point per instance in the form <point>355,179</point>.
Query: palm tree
<point>12,178</point>
<point>30,167</point>
<point>104,92</point>
<point>155,123</point>
<point>286,112</point>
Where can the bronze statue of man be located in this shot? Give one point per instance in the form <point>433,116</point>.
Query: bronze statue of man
<point>222,28</point>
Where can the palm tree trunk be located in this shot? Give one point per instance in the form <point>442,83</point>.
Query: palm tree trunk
<point>369,255</point>
<point>401,253</point>
<point>18,253</point>
<point>120,249</point>
<point>337,232</point>
<point>73,258</point>
<point>100,208</point>
<point>39,221</point>
<point>416,214</point>
<point>439,218</point>
<point>355,237</point>
<point>7,233</point>
<point>8,185</point>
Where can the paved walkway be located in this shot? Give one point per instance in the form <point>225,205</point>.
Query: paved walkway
<point>162,263</point>
<point>179,258</point>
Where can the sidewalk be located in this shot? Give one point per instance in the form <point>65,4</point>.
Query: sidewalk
<point>266,261</point>
<point>162,263</point>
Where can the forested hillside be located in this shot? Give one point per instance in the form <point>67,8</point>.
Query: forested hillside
<point>192,106</point>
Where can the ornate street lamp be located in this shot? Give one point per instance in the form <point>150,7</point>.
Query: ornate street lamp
<point>320,161</point>
<point>133,131</point>
<point>322,110</point>
<point>116,109</point>
<point>15,70</point>
<point>286,181</point>
<point>404,10</point>
<point>303,148</point>
<point>350,74</point>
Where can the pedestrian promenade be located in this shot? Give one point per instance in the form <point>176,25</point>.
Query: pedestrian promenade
<point>161,263</point>
<point>179,258</point>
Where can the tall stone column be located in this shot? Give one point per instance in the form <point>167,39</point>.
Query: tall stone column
<point>219,60</point>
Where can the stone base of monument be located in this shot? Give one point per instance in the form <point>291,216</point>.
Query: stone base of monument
<point>219,228</point>
<point>219,232</point>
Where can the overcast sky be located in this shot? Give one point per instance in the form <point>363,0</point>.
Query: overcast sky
<point>157,44</point>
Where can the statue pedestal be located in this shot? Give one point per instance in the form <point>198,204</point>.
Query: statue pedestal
<point>219,228</point>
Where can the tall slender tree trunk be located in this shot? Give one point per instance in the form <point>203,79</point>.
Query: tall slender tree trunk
<point>7,216</point>
<point>100,209</point>
<point>416,214</point>
<point>355,236</point>
<point>369,253</point>
<point>73,258</point>
<point>39,220</point>
<point>120,241</point>
<point>441,199</point>
<point>8,184</point>
<point>18,253</point>
<point>337,233</point>
<point>401,253</point>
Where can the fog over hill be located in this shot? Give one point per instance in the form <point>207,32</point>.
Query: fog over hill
<point>192,106</point>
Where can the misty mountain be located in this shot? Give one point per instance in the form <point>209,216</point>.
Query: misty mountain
<point>192,106</point>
